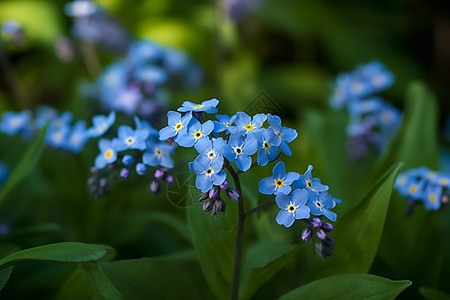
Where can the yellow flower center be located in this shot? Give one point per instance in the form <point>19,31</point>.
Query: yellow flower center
<point>212,154</point>
<point>158,152</point>
<point>318,204</point>
<point>413,189</point>
<point>109,153</point>
<point>432,197</point>
<point>209,172</point>
<point>266,146</point>
<point>198,107</point>
<point>291,208</point>
<point>443,181</point>
<point>227,125</point>
<point>238,150</point>
<point>178,126</point>
<point>279,134</point>
<point>198,135</point>
<point>279,183</point>
<point>249,127</point>
<point>102,127</point>
<point>308,184</point>
<point>431,175</point>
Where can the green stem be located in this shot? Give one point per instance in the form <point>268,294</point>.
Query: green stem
<point>258,208</point>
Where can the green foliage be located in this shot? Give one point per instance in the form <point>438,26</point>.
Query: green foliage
<point>432,294</point>
<point>351,286</point>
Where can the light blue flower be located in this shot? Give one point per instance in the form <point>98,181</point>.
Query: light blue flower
<point>142,124</point>
<point>77,137</point>
<point>44,114</point>
<point>209,173</point>
<point>126,99</point>
<point>268,142</point>
<point>57,137</point>
<point>195,132</point>
<point>15,122</point>
<point>308,182</point>
<point>130,139</point>
<point>279,183</point>
<point>150,74</point>
<point>321,204</point>
<point>80,8</point>
<point>246,125</point>
<point>107,155</point>
<point>432,197</point>
<point>158,154</point>
<point>287,135</point>
<point>177,126</point>
<point>224,123</point>
<point>212,149</point>
<point>141,169</point>
<point>101,124</point>
<point>60,121</point>
<point>208,106</point>
<point>239,151</point>
<point>292,207</point>
<point>144,51</point>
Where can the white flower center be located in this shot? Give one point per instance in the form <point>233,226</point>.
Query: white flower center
<point>15,122</point>
<point>318,205</point>
<point>130,140</point>
<point>386,117</point>
<point>357,87</point>
<point>238,151</point>
<point>378,80</point>
<point>291,208</point>
<point>211,154</point>
<point>158,152</point>
<point>209,172</point>
<point>57,137</point>
<point>102,127</point>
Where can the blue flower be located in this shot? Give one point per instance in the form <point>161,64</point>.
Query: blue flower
<point>101,124</point>
<point>208,106</point>
<point>341,95</point>
<point>4,173</point>
<point>212,149</point>
<point>142,124</point>
<point>57,137</point>
<point>126,99</point>
<point>63,120</point>
<point>239,151</point>
<point>77,137</point>
<point>107,155</point>
<point>158,154</point>
<point>321,203</point>
<point>80,8</point>
<point>43,115</point>
<point>128,160</point>
<point>130,139</point>
<point>268,147</point>
<point>13,123</point>
<point>224,123</point>
<point>279,183</point>
<point>150,75</point>
<point>141,169</point>
<point>246,125</point>
<point>13,30</point>
<point>306,181</point>
<point>287,135</point>
<point>292,207</point>
<point>144,51</point>
<point>432,197</point>
<point>177,126</point>
<point>209,173</point>
<point>195,132</point>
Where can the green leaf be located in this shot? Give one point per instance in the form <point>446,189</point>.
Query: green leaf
<point>359,231</point>
<point>100,281</point>
<point>24,167</point>
<point>262,262</point>
<point>71,252</point>
<point>214,242</point>
<point>350,286</point>
<point>432,294</point>
<point>76,287</point>
<point>6,249</point>
<point>173,222</point>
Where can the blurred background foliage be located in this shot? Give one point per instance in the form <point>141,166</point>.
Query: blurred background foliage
<point>286,51</point>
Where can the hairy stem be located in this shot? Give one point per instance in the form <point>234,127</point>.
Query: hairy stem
<point>259,207</point>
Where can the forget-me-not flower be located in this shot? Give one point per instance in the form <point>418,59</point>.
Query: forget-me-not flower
<point>246,125</point>
<point>208,106</point>
<point>130,139</point>
<point>77,137</point>
<point>212,149</point>
<point>209,173</point>
<point>195,132</point>
<point>107,155</point>
<point>307,181</point>
<point>280,182</point>
<point>158,154</point>
<point>320,204</point>
<point>15,122</point>
<point>239,151</point>
<point>268,147</point>
<point>177,126</point>
<point>224,123</point>
<point>293,207</point>
<point>287,135</point>
<point>101,124</point>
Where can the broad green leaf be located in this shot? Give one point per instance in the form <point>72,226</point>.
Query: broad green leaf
<point>6,249</point>
<point>432,294</point>
<point>359,231</point>
<point>157,278</point>
<point>76,287</point>
<point>350,286</point>
<point>98,279</point>
<point>71,252</point>
<point>173,222</point>
<point>24,167</point>
<point>214,241</point>
<point>262,262</point>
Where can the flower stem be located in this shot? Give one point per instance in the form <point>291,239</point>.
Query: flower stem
<point>258,208</point>
<point>239,235</point>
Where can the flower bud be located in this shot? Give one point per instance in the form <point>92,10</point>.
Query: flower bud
<point>327,227</point>
<point>111,166</point>
<point>103,182</point>
<point>91,180</point>
<point>203,197</point>
<point>218,206</point>
<point>323,250</point>
<point>154,187</point>
<point>225,185</point>
<point>330,241</point>
<point>445,199</point>
<point>94,170</point>
<point>141,169</point>
<point>128,160</point>
<point>321,234</point>
<point>214,193</point>
<point>207,206</point>
<point>125,173</point>
<point>169,179</point>
<point>306,234</point>
<point>170,141</point>
<point>159,174</point>
<point>4,229</point>
<point>316,222</point>
<point>233,194</point>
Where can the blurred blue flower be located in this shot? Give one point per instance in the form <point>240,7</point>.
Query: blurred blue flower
<point>13,30</point>
<point>101,124</point>
<point>107,155</point>
<point>144,51</point>
<point>287,135</point>
<point>195,132</point>
<point>292,207</point>
<point>307,181</point>
<point>279,183</point>
<point>209,173</point>
<point>239,151</point>
<point>80,8</point>
<point>177,126</point>
<point>141,169</point>
<point>142,124</point>
<point>130,139</point>
<point>15,122</point>
<point>128,160</point>
<point>208,106</point>
<point>268,147</point>
<point>150,74</point>
<point>77,137</point>
<point>158,154</point>
<point>44,114</point>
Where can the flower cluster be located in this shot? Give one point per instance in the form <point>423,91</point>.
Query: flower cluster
<point>422,184</point>
<point>138,84</point>
<point>4,173</point>
<point>372,120</point>
<point>307,196</point>
<point>222,141</point>
<point>135,149</point>
<point>12,31</point>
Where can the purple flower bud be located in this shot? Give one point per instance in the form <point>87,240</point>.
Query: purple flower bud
<point>203,197</point>
<point>321,234</point>
<point>159,174</point>
<point>154,187</point>
<point>169,179</point>
<point>233,194</point>
<point>324,250</point>
<point>94,170</point>
<point>306,234</point>
<point>410,201</point>
<point>4,228</point>
<point>103,182</point>
<point>125,173</point>
<point>218,206</point>
<point>316,222</point>
<point>141,169</point>
<point>327,227</point>
<point>445,199</point>
<point>207,206</point>
<point>91,180</point>
<point>111,166</point>
<point>214,193</point>
<point>128,160</point>
<point>225,185</point>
